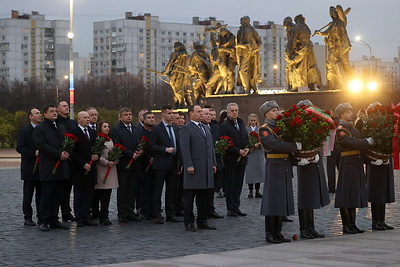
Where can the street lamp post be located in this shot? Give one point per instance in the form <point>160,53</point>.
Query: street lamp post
<point>71,61</point>
<point>358,39</point>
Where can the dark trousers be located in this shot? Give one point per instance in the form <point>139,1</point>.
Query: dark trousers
<point>179,194</point>
<point>257,185</point>
<point>128,181</point>
<point>50,200</point>
<point>83,197</point>
<point>218,180</point>
<point>31,186</point>
<point>102,197</point>
<point>65,203</point>
<point>234,184</point>
<point>169,176</point>
<point>146,193</point>
<point>201,204</point>
<point>210,201</point>
<point>332,163</point>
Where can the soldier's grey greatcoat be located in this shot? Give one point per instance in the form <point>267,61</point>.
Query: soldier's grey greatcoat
<point>351,186</point>
<point>312,192</point>
<point>197,151</point>
<point>278,188</point>
<point>380,184</point>
<point>255,168</point>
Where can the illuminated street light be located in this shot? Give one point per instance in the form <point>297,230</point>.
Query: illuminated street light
<point>360,41</point>
<point>372,86</point>
<point>355,86</point>
<point>275,66</point>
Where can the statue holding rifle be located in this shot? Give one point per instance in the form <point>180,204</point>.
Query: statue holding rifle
<point>339,46</point>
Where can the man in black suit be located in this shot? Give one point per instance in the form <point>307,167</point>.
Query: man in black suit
<point>199,167</point>
<point>62,118</point>
<point>164,144</point>
<point>214,129</point>
<point>127,135</point>
<point>93,117</point>
<point>48,137</point>
<point>236,130</point>
<point>83,183</point>
<point>29,155</point>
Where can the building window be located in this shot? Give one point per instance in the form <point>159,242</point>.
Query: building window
<point>169,33</point>
<point>177,33</point>
<point>141,30</point>
<point>191,34</point>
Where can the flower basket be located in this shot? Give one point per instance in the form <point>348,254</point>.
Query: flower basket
<point>306,154</point>
<point>375,155</point>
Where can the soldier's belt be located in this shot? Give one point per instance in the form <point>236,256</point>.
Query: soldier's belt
<point>350,153</point>
<point>277,156</point>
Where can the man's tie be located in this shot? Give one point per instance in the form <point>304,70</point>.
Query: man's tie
<point>202,129</point>
<point>237,126</point>
<point>94,127</point>
<point>171,137</point>
<point>86,134</point>
<point>129,128</point>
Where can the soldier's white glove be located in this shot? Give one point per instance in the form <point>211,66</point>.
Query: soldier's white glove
<point>377,162</point>
<point>316,159</point>
<point>303,162</point>
<point>386,162</point>
<point>298,145</point>
<point>370,140</point>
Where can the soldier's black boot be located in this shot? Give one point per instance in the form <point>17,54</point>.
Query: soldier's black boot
<point>352,216</point>
<point>382,217</point>
<point>310,220</point>
<point>375,212</point>
<point>304,230</point>
<point>270,230</point>
<point>346,222</point>
<point>278,229</point>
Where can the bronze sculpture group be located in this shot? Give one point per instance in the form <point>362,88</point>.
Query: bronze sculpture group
<point>202,74</point>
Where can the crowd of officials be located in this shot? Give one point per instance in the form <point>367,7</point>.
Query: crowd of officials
<point>178,155</point>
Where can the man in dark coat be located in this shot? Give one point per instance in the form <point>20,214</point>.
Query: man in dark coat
<point>70,124</point>
<point>29,173</point>
<point>351,192</point>
<point>236,130</point>
<point>83,182</point>
<point>164,145</point>
<point>48,137</point>
<point>199,167</point>
<point>127,135</point>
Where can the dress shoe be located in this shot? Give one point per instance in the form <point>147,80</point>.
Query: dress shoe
<point>68,217</point>
<point>190,227</point>
<point>378,226</point>
<point>388,227</point>
<point>282,238</point>
<point>315,234</point>
<point>123,220</point>
<point>105,222</point>
<point>215,215</point>
<point>173,219</point>
<point>232,213</point>
<point>44,227</point>
<point>286,219</point>
<point>357,230</point>
<point>59,225</point>
<point>206,226</point>
<point>134,217</point>
<point>159,220</point>
<point>269,237</point>
<point>305,233</point>
<point>147,217</point>
<point>250,194</point>
<point>240,213</point>
<point>258,195</point>
<point>90,223</point>
<point>348,230</point>
<point>29,222</point>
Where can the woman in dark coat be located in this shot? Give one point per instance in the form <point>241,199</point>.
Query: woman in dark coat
<point>351,190</point>
<point>312,192</point>
<point>277,198</point>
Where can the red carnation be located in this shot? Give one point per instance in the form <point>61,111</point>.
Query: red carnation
<point>103,135</point>
<point>277,130</point>
<point>120,146</point>
<point>373,125</point>
<point>313,120</point>
<point>318,131</point>
<point>286,114</point>
<point>279,117</point>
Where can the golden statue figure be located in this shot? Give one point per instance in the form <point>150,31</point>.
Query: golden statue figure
<point>338,45</point>
<point>201,70</point>
<point>227,59</point>
<point>248,47</point>
<point>178,75</point>
<point>300,57</point>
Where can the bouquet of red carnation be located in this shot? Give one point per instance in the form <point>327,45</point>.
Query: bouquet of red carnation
<point>68,145</point>
<point>142,145</point>
<point>114,154</point>
<point>98,146</point>
<point>222,145</point>
<point>306,124</point>
<point>254,138</point>
<point>380,126</point>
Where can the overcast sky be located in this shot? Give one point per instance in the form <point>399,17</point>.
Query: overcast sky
<point>376,21</point>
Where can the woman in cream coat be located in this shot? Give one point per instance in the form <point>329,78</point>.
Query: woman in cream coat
<point>103,190</point>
